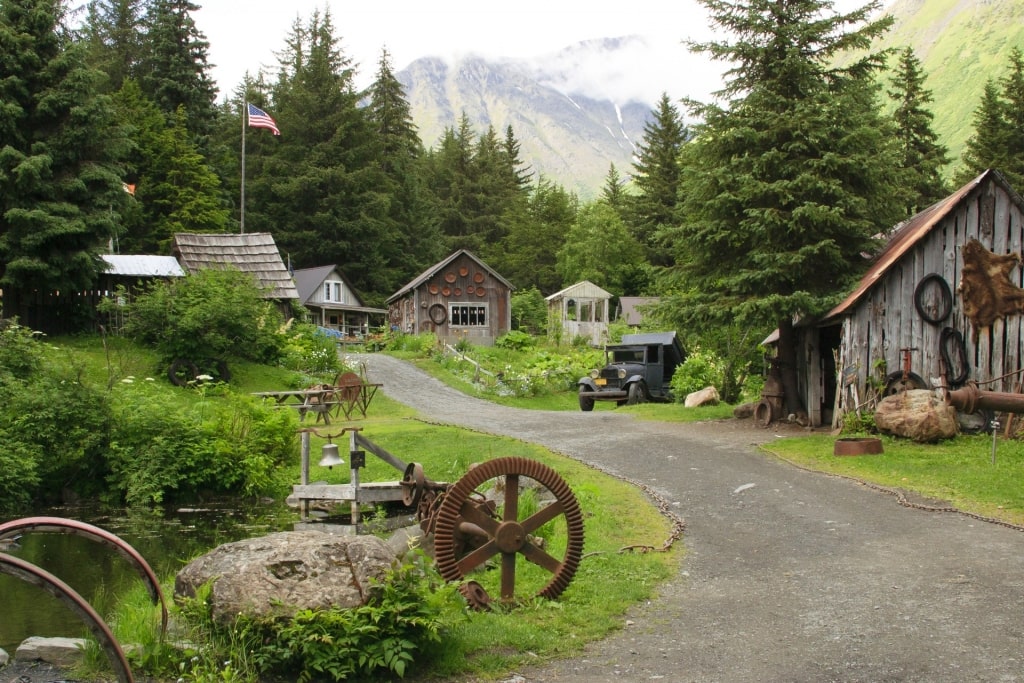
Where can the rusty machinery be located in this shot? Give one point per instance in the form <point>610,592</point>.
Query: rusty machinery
<point>480,521</point>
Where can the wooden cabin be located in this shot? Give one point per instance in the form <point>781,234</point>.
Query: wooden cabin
<point>252,252</point>
<point>580,311</point>
<point>918,303</point>
<point>333,303</point>
<point>460,297</point>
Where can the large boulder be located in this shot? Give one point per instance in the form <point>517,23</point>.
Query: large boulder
<point>281,573</point>
<point>918,414</point>
<point>706,396</point>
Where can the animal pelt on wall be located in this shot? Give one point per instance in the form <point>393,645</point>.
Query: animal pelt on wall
<point>985,289</point>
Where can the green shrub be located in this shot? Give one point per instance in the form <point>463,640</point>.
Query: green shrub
<point>21,354</point>
<point>309,351</point>
<point>163,450</point>
<point>515,340</point>
<point>406,617</point>
<point>54,426</point>
<point>700,369</point>
<point>18,476</point>
<point>545,372</point>
<point>423,344</point>
<point>529,311</point>
<point>209,314</point>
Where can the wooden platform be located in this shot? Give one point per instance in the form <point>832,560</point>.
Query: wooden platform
<point>365,493</point>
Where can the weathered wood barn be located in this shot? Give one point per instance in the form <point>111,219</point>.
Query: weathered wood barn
<point>580,310</point>
<point>460,297</point>
<point>944,293</point>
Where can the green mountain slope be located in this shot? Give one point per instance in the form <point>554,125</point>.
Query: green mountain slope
<point>961,44</point>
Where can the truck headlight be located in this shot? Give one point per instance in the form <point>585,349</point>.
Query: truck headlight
<point>594,374</point>
<point>622,373</point>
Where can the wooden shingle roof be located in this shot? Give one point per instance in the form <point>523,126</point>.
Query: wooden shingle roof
<point>254,253</point>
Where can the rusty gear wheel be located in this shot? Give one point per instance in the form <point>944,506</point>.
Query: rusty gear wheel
<point>467,533</point>
<point>413,484</point>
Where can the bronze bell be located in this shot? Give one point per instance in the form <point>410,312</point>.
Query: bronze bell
<point>329,456</point>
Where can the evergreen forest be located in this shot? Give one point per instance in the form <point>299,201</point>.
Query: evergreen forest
<point>113,137</point>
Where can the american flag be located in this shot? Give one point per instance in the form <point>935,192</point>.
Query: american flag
<point>260,119</point>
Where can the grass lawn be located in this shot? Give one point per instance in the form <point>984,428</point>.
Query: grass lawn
<point>960,471</point>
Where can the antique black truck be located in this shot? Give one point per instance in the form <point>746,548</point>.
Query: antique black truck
<point>636,370</point>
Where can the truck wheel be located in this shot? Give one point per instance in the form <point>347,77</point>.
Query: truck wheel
<point>636,394</point>
<point>586,403</point>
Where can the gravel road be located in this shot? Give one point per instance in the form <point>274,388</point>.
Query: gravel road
<point>788,575</point>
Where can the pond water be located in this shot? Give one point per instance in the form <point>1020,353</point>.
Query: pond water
<point>167,540</point>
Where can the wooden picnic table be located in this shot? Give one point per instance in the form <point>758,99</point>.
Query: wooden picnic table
<point>346,396</point>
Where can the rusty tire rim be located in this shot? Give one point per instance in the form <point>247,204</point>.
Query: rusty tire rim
<point>506,535</point>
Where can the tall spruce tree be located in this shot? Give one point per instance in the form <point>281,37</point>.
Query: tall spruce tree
<point>612,191</point>
<point>318,187</point>
<point>175,188</point>
<point>399,155</point>
<point>60,149</point>
<point>174,71</point>
<point>113,31</point>
<point>784,188</point>
<point>998,139</point>
<point>656,176</point>
<point>922,157</point>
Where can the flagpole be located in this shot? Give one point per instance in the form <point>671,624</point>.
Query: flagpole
<point>245,109</point>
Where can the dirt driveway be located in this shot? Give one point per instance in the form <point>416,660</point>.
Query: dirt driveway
<point>788,575</point>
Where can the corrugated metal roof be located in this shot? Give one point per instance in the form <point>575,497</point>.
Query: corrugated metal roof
<point>253,252</point>
<point>904,237</point>
<point>583,289</point>
<point>139,265</point>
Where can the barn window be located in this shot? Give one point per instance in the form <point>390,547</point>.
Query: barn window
<point>467,315</point>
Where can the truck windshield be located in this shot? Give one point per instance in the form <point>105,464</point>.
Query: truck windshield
<point>628,356</point>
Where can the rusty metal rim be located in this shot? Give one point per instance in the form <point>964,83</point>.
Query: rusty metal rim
<point>30,573</point>
<point>74,527</point>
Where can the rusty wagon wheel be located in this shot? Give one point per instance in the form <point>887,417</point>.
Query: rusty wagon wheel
<point>470,530</point>
<point>181,372</point>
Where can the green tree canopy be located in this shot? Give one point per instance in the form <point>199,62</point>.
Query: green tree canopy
<point>922,157</point>
<point>784,188</point>
<point>656,179</point>
<point>998,139</point>
<point>600,248</point>
<point>60,150</point>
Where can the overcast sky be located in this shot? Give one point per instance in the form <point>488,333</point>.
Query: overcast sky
<point>246,36</point>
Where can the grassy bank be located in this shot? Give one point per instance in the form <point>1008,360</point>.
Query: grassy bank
<point>609,580</point>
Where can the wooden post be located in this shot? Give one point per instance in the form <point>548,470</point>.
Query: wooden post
<point>304,473</point>
<point>355,477</point>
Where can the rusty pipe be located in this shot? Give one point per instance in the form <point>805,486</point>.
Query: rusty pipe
<point>970,398</point>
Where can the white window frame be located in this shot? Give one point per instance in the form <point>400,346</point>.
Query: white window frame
<point>334,291</point>
<point>468,314</point>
